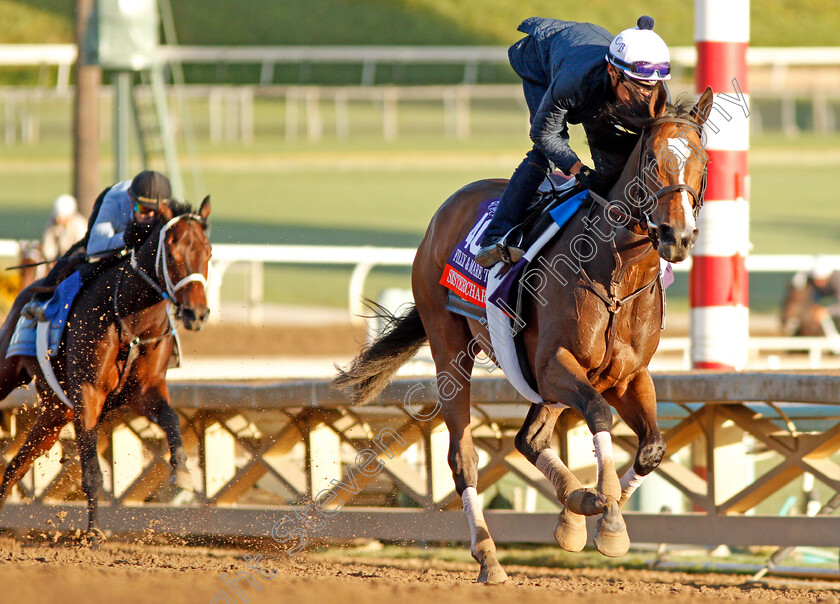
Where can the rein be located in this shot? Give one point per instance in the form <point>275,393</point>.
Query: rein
<point>167,294</point>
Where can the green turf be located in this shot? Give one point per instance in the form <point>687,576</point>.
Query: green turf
<point>773,22</point>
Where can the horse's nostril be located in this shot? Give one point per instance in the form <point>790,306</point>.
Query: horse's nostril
<point>666,234</point>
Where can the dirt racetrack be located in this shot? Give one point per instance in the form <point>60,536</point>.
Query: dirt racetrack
<point>44,573</point>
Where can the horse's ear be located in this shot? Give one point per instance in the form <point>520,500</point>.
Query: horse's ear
<point>204,210</point>
<point>703,107</point>
<point>658,100</point>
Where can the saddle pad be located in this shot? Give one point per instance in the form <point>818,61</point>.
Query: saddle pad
<point>461,274</point>
<point>56,311</point>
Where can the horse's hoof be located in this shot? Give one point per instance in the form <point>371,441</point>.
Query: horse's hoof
<point>492,574</point>
<point>570,532</point>
<point>93,539</point>
<point>611,538</point>
<point>182,479</point>
<point>584,502</point>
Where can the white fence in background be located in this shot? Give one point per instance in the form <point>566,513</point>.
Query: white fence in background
<point>362,259</point>
<point>63,56</point>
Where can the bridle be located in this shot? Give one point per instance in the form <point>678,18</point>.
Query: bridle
<point>162,270</point>
<point>648,227</point>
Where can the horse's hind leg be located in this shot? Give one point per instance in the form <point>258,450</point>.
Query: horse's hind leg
<point>450,338</point>
<point>52,417</point>
<point>637,407</point>
<point>534,442</point>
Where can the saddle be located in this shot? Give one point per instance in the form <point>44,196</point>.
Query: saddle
<point>537,216</point>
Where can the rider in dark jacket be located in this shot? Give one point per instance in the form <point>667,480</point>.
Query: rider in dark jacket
<point>569,72</point>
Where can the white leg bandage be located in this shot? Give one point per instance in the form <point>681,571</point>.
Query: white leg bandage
<point>603,447</point>
<point>472,508</point>
<point>630,482</point>
<point>558,474</point>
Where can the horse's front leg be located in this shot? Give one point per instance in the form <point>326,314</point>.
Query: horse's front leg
<point>154,404</point>
<point>534,442</point>
<point>564,380</point>
<point>636,405</point>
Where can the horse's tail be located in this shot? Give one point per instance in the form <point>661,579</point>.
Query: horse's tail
<point>371,370</point>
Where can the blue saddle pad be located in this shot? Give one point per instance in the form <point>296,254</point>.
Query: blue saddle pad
<point>57,310</point>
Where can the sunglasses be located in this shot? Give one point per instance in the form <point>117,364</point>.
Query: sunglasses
<point>643,68</point>
<point>141,209</point>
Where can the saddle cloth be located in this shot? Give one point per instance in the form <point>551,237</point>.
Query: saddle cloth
<point>461,274</point>
<point>56,311</point>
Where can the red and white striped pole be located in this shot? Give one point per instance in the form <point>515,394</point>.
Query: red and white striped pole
<point>718,288</point>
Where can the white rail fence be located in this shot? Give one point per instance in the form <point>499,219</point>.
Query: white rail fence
<point>362,259</point>
<point>315,112</point>
<point>63,56</point>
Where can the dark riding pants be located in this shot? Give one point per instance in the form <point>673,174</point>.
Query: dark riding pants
<point>526,178</point>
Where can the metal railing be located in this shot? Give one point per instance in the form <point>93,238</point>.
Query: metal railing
<point>258,452</point>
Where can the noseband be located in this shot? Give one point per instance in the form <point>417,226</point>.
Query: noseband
<point>161,268</point>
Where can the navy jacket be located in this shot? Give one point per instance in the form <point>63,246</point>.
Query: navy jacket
<point>563,63</point>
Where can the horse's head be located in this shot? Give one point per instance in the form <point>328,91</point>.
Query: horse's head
<point>672,170</point>
<point>183,261</point>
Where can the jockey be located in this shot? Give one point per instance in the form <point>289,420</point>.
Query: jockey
<point>569,72</point>
<point>126,203</point>
<point>122,211</point>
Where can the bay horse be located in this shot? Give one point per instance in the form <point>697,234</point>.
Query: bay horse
<point>800,313</point>
<point>116,348</point>
<point>589,335</point>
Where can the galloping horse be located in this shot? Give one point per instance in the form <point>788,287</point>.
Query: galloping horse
<point>588,338</point>
<point>116,348</point>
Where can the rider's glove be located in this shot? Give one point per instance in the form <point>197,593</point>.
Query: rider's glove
<point>585,177</point>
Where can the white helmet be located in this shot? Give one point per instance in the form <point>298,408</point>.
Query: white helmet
<point>823,268</point>
<point>640,53</point>
<point>64,206</point>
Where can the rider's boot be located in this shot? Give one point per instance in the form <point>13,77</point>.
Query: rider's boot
<point>34,309</point>
<point>494,249</point>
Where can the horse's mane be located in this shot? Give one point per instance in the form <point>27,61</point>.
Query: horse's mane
<point>179,208</point>
<point>615,132</point>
